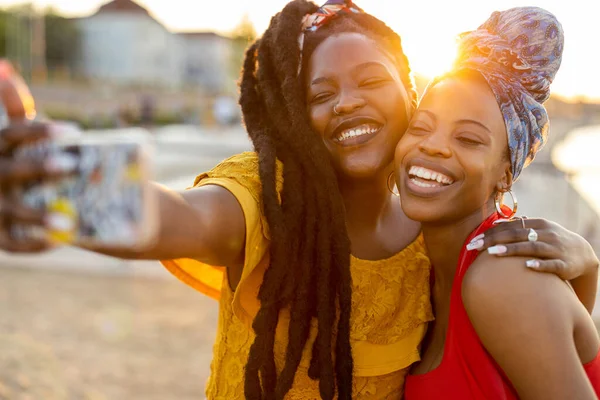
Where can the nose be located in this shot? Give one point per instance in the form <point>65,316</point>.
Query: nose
<point>348,103</point>
<point>435,145</point>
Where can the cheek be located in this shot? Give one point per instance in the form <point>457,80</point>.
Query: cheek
<point>404,146</point>
<point>391,101</point>
<point>319,118</point>
<point>481,177</point>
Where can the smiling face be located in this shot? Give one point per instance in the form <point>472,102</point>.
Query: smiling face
<point>453,156</point>
<point>350,72</point>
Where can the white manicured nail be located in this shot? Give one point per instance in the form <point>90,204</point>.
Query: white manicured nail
<point>499,221</point>
<point>532,264</point>
<point>476,238</point>
<point>499,249</point>
<point>62,163</point>
<point>475,245</point>
<point>59,222</point>
<point>59,130</point>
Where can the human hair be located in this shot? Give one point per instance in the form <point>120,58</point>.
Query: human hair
<point>309,256</point>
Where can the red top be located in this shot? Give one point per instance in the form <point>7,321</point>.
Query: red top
<point>467,371</point>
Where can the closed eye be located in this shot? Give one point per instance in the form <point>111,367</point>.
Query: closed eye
<point>372,82</point>
<point>469,141</point>
<point>418,130</point>
<point>321,97</point>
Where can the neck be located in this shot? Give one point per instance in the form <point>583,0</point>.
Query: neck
<point>444,243</point>
<point>366,200</point>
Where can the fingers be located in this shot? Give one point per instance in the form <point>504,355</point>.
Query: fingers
<point>23,240</point>
<point>20,214</point>
<point>21,133</point>
<point>537,250</point>
<point>14,172</point>
<point>24,246</point>
<point>556,267</point>
<point>494,238</point>
<point>518,223</point>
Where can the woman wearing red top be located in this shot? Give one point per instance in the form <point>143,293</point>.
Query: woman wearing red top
<point>501,331</point>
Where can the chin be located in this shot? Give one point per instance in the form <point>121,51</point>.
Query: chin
<point>362,166</point>
<point>421,211</point>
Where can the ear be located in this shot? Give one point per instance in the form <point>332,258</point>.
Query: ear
<point>506,180</point>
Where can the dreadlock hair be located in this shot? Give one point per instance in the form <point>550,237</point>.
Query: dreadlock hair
<point>309,271</point>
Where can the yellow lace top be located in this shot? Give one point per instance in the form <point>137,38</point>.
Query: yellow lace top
<point>391,305</point>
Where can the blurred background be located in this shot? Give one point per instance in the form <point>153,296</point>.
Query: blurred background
<point>79,326</point>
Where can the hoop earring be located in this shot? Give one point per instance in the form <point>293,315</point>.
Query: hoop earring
<point>391,186</point>
<point>500,202</point>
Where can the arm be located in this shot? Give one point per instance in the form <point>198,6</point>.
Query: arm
<point>558,251</point>
<point>526,321</point>
<point>205,223</point>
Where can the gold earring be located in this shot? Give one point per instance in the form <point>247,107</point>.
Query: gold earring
<point>391,186</point>
<point>500,203</point>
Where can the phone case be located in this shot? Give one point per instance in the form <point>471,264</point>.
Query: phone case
<point>105,201</point>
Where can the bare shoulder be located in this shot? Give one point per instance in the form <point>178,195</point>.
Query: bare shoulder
<point>504,288</point>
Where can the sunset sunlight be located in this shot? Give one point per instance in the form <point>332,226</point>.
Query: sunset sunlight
<point>249,199</point>
<point>428,28</point>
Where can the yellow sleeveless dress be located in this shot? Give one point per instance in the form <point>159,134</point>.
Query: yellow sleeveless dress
<point>390,300</point>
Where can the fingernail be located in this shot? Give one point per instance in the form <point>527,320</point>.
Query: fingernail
<point>499,249</point>
<point>499,221</point>
<point>476,238</point>
<point>57,130</point>
<point>475,245</point>
<point>59,222</point>
<point>532,264</point>
<point>61,163</point>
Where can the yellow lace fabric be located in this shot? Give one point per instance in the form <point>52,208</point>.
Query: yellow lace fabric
<point>391,305</point>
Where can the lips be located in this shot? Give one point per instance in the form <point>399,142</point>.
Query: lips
<point>356,131</point>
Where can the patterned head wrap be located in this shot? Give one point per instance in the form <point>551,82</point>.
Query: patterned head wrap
<point>327,12</point>
<point>518,52</point>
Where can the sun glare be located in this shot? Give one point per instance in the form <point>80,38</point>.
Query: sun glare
<point>435,61</point>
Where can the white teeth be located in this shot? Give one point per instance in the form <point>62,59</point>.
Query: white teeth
<point>422,184</point>
<point>354,132</point>
<point>430,175</point>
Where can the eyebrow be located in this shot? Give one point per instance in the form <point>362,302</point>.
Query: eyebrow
<point>321,80</point>
<point>358,68</point>
<point>369,64</point>
<point>460,121</point>
<point>471,121</point>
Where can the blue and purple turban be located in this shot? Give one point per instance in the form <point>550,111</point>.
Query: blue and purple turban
<point>518,52</point>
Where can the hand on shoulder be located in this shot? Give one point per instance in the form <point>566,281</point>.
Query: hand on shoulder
<point>526,321</point>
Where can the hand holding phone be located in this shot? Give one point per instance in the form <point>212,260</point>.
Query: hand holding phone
<point>104,200</point>
<point>64,188</point>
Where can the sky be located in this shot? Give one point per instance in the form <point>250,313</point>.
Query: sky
<point>428,28</point>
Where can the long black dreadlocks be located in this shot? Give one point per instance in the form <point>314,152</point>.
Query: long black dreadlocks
<point>309,270</point>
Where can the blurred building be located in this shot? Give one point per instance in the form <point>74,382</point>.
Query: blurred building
<point>206,60</point>
<point>122,43</point>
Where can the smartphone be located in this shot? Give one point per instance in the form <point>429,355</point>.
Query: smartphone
<point>104,201</point>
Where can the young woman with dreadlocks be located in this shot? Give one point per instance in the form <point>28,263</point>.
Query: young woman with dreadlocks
<point>324,291</point>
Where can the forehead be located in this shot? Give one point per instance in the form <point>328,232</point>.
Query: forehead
<point>344,51</point>
<point>456,98</point>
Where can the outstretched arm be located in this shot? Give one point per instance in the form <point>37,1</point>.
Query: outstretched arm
<point>526,321</point>
<point>205,223</point>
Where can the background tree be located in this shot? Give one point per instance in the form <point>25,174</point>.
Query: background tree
<point>62,41</point>
<point>242,35</point>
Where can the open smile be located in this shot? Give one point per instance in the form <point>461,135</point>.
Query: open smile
<point>427,181</point>
<point>356,131</point>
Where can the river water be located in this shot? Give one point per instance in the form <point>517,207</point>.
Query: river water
<point>579,156</point>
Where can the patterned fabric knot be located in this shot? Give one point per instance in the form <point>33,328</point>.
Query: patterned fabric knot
<point>328,11</point>
<point>518,52</point>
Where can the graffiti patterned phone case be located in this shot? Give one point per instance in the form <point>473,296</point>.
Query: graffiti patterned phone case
<point>104,201</point>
